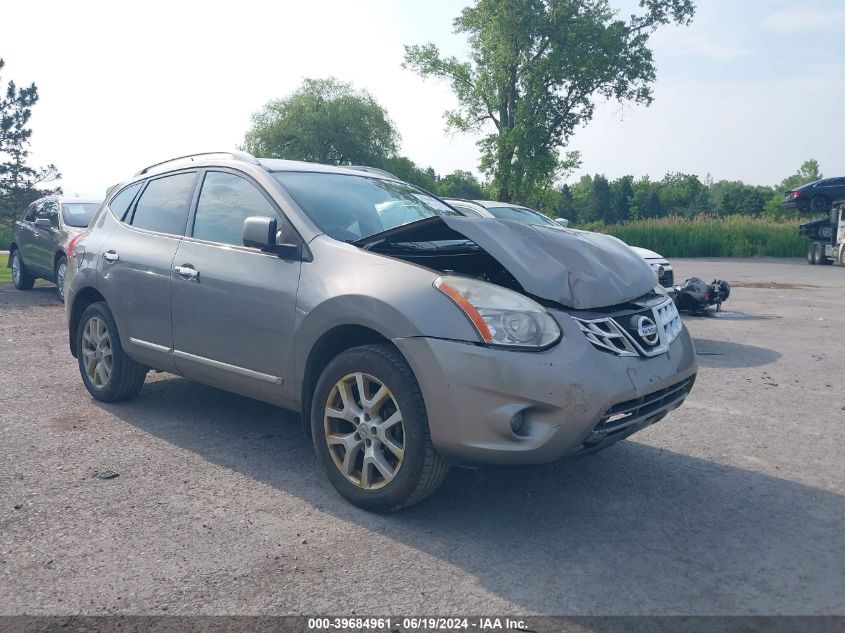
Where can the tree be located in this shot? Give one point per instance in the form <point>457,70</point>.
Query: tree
<point>406,169</point>
<point>460,184</point>
<point>18,180</point>
<point>324,121</point>
<point>535,70</point>
<point>622,190</point>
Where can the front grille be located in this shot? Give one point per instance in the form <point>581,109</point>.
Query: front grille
<point>640,411</point>
<point>620,334</point>
<point>606,335</point>
<point>667,279</point>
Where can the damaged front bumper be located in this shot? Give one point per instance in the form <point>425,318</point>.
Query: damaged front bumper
<point>494,406</point>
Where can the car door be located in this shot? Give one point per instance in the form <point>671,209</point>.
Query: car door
<point>836,189</point>
<point>43,245</point>
<point>25,236</point>
<point>233,306</point>
<point>136,260</point>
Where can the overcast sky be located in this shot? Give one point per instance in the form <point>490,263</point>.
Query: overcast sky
<point>748,92</point>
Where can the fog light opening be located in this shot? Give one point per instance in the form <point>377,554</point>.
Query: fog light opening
<point>519,424</point>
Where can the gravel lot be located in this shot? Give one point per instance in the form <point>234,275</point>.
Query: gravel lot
<point>732,505</point>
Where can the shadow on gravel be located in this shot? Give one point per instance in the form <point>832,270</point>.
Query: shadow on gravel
<point>632,530</point>
<point>724,354</point>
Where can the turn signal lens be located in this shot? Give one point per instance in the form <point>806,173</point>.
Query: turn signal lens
<point>500,316</point>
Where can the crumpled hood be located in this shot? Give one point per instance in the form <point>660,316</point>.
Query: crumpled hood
<point>578,269</point>
<point>646,253</point>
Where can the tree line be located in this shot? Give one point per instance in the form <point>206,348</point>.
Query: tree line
<point>328,121</point>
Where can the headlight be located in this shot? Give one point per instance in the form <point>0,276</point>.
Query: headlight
<point>500,316</point>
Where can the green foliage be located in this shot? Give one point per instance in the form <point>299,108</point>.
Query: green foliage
<point>460,184</point>
<point>324,121</point>
<point>5,271</point>
<point>5,235</point>
<point>710,236</point>
<point>407,170</point>
<point>19,181</point>
<point>535,70</point>
<point>808,172</point>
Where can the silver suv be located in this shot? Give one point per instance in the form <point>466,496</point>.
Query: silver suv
<point>410,337</point>
<point>42,236</point>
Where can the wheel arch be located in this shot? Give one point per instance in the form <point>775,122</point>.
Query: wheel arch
<point>81,301</point>
<point>329,345</point>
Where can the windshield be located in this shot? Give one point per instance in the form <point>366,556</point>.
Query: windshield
<point>79,213</point>
<point>520,214</point>
<point>348,207</point>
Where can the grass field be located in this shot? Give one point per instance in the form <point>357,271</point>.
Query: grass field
<point>707,236</point>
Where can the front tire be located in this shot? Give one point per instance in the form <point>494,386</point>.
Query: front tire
<point>61,271</point>
<point>811,253</point>
<point>107,372</point>
<point>20,276</point>
<point>370,430</point>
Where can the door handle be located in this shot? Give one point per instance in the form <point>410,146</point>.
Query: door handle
<point>187,272</point>
<point>111,256</point>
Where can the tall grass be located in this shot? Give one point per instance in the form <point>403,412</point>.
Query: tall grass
<point>710,236</point>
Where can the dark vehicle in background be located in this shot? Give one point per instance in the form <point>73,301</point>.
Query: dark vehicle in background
<point>41,238</point>
<point>815,197</point>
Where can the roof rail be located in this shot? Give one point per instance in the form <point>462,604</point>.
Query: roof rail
<point>371,170</point>
<point>242,156</point>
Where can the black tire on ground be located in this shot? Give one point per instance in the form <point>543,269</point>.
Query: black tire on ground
<point>23,280</point>
<point>819,204</point>
<point>811,252</point>
<point>127,376</point>
<point>842,255</point>
<point>422,470</point>
<point>817,254</point>
<point>60,276</point>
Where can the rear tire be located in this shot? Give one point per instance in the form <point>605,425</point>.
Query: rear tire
<point>20,276</point>
<point>107,372</point>
<point>359,432</point>
<point>61,270</point>
<point>819,204</point>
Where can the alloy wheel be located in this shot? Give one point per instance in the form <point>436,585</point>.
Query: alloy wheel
<point>364,431</point>
<point>97,352</point>
<point>16,268</point>
<point>61,271</point>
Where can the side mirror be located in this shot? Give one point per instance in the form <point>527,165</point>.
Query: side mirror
<point>260,232</point>
<point>44,223</point>
<point>562,221</point>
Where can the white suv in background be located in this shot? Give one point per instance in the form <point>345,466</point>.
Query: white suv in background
<point>519,213</point>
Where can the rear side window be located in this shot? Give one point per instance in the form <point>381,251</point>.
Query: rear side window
<point>225,202</point>
<point>163,206</point>
<point>120,203</point>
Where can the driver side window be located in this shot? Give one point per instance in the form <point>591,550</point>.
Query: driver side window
<point>226,200</point>
<point>49,211</point>
<point>31,212</point>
